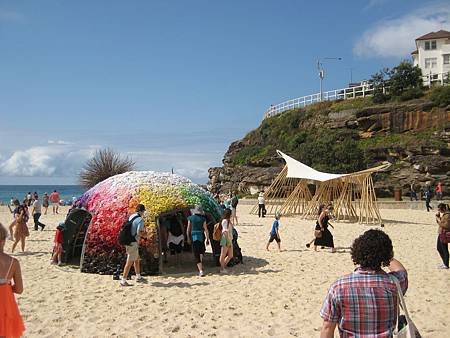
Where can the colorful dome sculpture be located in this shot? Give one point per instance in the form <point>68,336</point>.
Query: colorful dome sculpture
<point>111,201</point>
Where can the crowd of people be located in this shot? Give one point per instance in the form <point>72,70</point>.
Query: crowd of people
<point>369,290</point>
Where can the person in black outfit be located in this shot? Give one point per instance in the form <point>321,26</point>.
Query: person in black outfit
<point>326,238</point>
<point>427,195</point>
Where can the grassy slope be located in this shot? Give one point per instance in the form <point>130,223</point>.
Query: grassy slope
<point>301,134</point>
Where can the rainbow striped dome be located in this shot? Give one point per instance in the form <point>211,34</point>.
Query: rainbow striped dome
<point>111,201</point>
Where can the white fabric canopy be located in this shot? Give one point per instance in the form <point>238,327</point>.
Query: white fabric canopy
<point>297,169</point>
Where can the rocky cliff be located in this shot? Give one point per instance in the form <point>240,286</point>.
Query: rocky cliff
<point>344,137</point>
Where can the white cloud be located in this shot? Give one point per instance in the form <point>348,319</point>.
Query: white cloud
<point>45,161</point>
<point>396,37</point>
<point>60,142</point>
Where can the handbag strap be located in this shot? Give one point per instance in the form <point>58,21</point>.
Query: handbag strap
<point>401,302</point>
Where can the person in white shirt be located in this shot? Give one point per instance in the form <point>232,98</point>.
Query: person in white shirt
<point>36,212</point>
<point>261,205</point>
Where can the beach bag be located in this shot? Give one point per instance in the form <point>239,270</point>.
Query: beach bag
<point>404,326</point>
<point>217,233</point>
<point>317,233</point>
<point>125,237</point>
<point>444,236</point>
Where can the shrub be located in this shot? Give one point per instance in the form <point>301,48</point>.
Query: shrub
<point>404,77</point>
<point>440,96</point>
<point>104,164</point>
<point>411,93</point>
<point>379,97</point>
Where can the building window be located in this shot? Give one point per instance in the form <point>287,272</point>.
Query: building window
<point>446,59</point>
<point>430,45</point>
<point>430,62</point>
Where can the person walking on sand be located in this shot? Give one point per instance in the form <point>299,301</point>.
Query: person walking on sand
<point>439,191</point>
<point>20,224</point>
<point>412,193</point>
<point>226,241</point>
<point>54,199</point>
<point>137,231</point>
<point>364,302</point>
<point>261,205</point>
<point>443,220</point>
<point>36,212</point>
<point>197,232</point>
<point>427,196</point>
<point>321,207</point>
<point>234,204</point>
<point>45,203</point>
<point>275,233</point>
<point>15,205</point>
<point>11,323</point>
<point>322,234</point>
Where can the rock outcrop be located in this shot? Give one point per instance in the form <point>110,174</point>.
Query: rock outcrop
<point>413,136</point>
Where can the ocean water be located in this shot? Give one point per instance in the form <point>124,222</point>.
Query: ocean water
<point>66,192</point>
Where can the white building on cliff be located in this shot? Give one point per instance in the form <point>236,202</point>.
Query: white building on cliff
<point>433,56</point>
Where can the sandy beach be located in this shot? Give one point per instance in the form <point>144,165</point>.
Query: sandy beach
<point>272,295</point>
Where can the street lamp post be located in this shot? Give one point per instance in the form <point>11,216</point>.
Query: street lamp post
<point>322,72</point>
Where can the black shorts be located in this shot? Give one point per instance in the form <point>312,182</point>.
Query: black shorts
<point>199,249</point>
<point>274,237</point>
<point>175,248</point>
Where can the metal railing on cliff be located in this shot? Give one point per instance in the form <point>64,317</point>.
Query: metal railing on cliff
<point>363,90</point>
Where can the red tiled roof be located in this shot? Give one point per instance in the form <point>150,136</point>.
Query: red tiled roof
<point>435,35</point>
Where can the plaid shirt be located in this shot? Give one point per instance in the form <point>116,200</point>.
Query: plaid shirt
<point>364,303</point>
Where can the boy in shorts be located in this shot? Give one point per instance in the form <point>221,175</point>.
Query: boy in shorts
<point>274,233</point>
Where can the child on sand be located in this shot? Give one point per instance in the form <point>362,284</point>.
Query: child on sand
<point>274,233</point>
<point>58,249</point>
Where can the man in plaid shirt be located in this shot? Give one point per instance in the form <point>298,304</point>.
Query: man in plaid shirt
<point>364,303</point>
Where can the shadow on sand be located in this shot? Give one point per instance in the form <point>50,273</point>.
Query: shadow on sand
<point>249,225</point>
<point>393,221</point>
<point>327,250</point>
<point>28,253</point>
<point>188,268</point>
<point>177,284</point>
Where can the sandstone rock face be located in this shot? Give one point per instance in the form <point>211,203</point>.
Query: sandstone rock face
<point>411,162</point>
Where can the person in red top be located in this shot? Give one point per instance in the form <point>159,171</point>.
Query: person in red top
<point>54,199</point>
<point>439,191</point>
<point>58,249</point>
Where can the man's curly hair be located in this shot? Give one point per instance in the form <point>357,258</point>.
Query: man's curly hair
<point>372,250</point>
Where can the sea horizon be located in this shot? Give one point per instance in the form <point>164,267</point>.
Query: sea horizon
<point>19,191</point>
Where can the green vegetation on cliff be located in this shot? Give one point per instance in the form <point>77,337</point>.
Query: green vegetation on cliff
<point>291,132</point>
<point>341,136</point>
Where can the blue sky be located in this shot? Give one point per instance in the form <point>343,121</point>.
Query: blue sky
<point>173,83</point>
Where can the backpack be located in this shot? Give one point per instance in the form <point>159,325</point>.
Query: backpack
<point>125,237</point>
<point>234,202</point>
<point>217,233</point>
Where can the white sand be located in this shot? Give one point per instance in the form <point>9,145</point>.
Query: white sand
<point>272,294</point>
